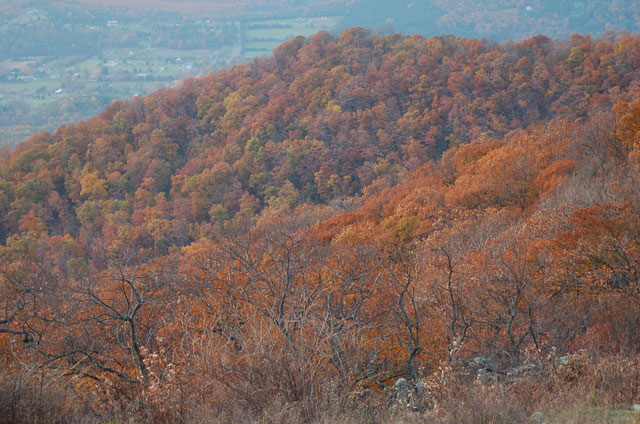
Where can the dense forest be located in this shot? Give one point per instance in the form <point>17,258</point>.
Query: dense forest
<point>361,228</point>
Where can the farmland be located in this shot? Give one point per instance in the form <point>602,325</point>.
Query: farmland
<point>262,36</point>
<point>42,88</point>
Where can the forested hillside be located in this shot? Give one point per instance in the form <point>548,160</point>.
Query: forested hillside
<point>292,236</point>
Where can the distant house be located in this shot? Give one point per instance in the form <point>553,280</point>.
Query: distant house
<point>112,23</point>
<point>58,91</point>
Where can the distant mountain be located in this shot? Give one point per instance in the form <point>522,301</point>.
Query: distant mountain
<point>514,19</point>
<point>496,20</point>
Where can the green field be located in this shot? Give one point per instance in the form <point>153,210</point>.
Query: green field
<point>28,89</point>
<point>263,36</point>
<point>154,53</point>
<point>89,64</point>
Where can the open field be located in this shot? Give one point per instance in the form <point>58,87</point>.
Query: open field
<point>26,88</point>
<point>262,36</point>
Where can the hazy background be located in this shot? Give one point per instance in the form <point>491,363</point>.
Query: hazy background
<point>61,61</point>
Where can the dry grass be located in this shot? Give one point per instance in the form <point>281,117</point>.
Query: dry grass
<point>576,389</point>
<point>26,398</point>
